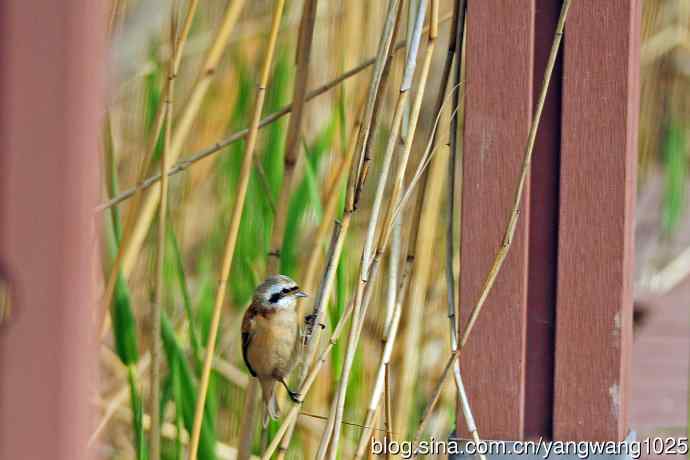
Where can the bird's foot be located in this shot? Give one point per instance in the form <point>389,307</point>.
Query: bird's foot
<point>310,320</point>
<point>295,397</point>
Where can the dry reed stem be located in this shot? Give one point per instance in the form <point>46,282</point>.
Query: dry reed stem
<point>369,269</point>
<point>421,271</point>
<point>389,411</point>
<point>234,228</point>
<point>308,382</point>
<point>393,311</point>
<point>390,334</point>
<point>156,348</point>
<point>361,285</point>
<point>112,17</point>
<point>120,398</point>
<point>340,230</point>
<point>384,57</point>
<point>338,236</point>
<point>456,47</point>
<point>311,377</point>
<point>183,127</point>
<point>515,212</point>
<point>303,56</point>
<point>453,287</point>
<point>183,165</point>
<point>130,222</point>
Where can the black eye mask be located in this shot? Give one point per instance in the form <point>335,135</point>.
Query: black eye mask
<point>279,295</point>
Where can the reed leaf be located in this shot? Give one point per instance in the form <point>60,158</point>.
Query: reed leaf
<point>675,151</point>
<point>185,398</point>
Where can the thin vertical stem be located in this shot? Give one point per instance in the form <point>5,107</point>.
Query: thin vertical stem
<point>311,377</point>
<point>233,230</point>
<point>389,412</point>
<point>368,265</point>
<point>306,34</point>
<point>156,348</point>
<point>130,222</point>
<point>183,127</point>
<point>453,287</point>
<point>340,229</point>
<point>526,162</point>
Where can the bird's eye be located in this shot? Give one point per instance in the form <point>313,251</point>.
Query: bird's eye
<point>285,290</point>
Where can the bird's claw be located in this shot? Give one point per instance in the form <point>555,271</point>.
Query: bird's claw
<point>295,397</point>
<point>310,320</point>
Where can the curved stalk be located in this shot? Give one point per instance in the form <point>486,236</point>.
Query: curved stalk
<point>233,230</point>
<point>156,347</point>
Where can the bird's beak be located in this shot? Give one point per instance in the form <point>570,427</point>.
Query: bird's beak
<point>301,294</point>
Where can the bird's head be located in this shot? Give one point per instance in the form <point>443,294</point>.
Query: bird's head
<point>278,292</point>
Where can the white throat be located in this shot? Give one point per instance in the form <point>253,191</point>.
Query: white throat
<point>285,303</point>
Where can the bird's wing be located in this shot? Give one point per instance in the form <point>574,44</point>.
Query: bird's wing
<point>248,334</point>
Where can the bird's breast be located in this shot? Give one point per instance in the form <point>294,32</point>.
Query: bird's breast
<point>274,341</point>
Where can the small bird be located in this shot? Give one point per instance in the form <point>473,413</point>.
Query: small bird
<point>270,337</point>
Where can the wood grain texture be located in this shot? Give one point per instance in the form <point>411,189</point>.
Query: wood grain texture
<point>597,192</point>
<point>497,120</point>
<point>51,107</point>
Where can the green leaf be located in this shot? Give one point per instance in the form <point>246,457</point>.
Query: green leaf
<point>185,399</point>
<point>186,298</point>
<point>676,177</point>
<point>306,196</point>
<point>137,414</point>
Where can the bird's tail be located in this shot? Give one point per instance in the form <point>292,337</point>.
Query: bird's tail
<point>270,401</point>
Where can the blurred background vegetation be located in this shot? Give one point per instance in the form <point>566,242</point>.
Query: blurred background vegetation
<point>212,103</point>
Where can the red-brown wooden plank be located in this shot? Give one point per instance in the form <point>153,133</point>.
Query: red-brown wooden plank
<point>497,119</point>
<point>597,192</point>
<point>543,238</point>
<point>51,61</point>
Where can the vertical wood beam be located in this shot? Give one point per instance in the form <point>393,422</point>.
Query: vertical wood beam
<point>498,114</point>
<point>51,61</point>
<point>597,193</point>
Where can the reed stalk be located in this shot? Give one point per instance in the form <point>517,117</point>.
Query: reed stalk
<point>303,56</point>
<point>130,222</point>
<point>342,322</point>
<point>389,411</point>
<point>183,127</point>
<point>368,265</point>
<point>453,288</point>
<point>234,227</point>
<point>156,347</point>
<point>384,58</point>
<point>340,230</point>
<point>380,383</point>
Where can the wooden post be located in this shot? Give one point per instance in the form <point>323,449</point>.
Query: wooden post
<point>51,75</point>
<point>597,194</point>
<point>550,353</point>
<point>497,120</point>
